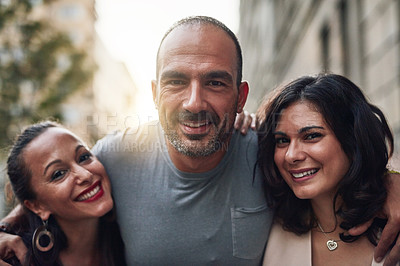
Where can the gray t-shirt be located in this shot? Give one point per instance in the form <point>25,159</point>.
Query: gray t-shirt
<point>170,217</point>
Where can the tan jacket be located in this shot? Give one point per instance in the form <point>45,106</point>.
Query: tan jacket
<point>287,248</point>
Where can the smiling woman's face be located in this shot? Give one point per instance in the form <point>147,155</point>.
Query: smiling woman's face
<point>307,153</point>
<point>68,181</point>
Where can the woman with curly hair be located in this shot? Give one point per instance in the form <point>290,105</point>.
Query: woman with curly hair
<point>323,149</point>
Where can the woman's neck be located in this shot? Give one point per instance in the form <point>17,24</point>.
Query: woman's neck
<point>83,246</point>
<point>324,213</point>
<point>327,248</point>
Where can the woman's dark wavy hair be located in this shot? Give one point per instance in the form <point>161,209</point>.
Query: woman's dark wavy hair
<point>19,173</point>
<point>364,135</point>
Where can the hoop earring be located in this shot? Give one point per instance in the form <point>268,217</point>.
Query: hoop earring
<point>43,239</point>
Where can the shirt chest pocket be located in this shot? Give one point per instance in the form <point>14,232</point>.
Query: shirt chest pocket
<point>250,229</point>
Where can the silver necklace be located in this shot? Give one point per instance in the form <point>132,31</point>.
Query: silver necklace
<point>332,244</point>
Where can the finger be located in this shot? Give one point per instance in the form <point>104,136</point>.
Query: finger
<point>388,236</point>
<point>12,245</point>
<point>20,253</point>
<point>246,123</point>
<point>3,263</point>
<point>394,256</point>
<point>359,229</point>
<point>238,120</point>
<point>253,121</point>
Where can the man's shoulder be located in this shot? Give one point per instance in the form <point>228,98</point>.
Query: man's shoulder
<point>249,141</point>
<point>244,149</point>
<point>145,133</point>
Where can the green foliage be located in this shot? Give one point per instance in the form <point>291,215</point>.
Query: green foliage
<point>39,68</point>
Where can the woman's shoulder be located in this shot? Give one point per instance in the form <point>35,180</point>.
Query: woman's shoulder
<point>287,248</point>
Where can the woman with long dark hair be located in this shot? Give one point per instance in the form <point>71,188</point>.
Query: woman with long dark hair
<point>324,150</point>
<point>66,197</point>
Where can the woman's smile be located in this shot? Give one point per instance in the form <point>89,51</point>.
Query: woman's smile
<point>93,193</point>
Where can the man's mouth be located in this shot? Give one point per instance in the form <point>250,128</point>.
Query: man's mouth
<point>197,119</point>
<point>195,130</point>
<point>198,125</point>
<point>195,124</point>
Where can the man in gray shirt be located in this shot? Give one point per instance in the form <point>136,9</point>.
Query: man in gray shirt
<point>184,191</point>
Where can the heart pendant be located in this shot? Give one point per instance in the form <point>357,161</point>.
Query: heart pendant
<point>331,244</point>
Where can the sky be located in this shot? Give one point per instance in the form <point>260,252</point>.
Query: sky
<point>132,30</point>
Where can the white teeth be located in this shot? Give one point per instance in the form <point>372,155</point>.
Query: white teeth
<point>89,194</point>
<point>192,124</point>
<point>300,175</point>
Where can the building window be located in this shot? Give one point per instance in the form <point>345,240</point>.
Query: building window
<point>36,2</point>
<point>71,12</point>
<point>344,34</point>
<point>5,3</point>
<point>325,49</point>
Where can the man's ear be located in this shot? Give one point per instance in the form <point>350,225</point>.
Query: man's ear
<point>242,97</point>
<point>154,91</point>
<point>38,209</point>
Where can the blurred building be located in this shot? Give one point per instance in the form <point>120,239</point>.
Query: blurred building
<point>109,98</point>
<point>360,39</point>
<point>106,104</point>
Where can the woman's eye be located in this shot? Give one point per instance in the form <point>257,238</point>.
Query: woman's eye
<point>281,141</point>
<point>58,174</point>
<point>84,157</point>
<point>312,136</point>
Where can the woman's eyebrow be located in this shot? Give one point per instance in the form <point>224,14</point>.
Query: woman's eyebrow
<point>305,129</point>
<point>50,164</point>
<point>279,133</point>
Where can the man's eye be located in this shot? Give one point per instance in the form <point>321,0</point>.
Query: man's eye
<point>58,174</point>
<point>216,83</point>
<point>175,82</point>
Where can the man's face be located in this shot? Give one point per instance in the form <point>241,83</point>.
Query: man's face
<point>196,92</point>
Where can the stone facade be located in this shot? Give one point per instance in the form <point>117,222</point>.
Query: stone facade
<point>360,39</point>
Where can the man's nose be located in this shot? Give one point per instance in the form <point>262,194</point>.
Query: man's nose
<point>195,101</point>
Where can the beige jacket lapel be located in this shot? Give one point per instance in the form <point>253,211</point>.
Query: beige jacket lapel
<point>287,248</point>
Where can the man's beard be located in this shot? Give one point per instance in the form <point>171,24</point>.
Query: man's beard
<point>192,146</point>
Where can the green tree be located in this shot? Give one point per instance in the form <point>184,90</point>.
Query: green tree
<point>39,68</point>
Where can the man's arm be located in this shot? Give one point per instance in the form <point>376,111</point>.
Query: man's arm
<point>11,245</point>
<point>392,228</point>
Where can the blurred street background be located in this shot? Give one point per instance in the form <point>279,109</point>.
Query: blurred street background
<point>90,63</point>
